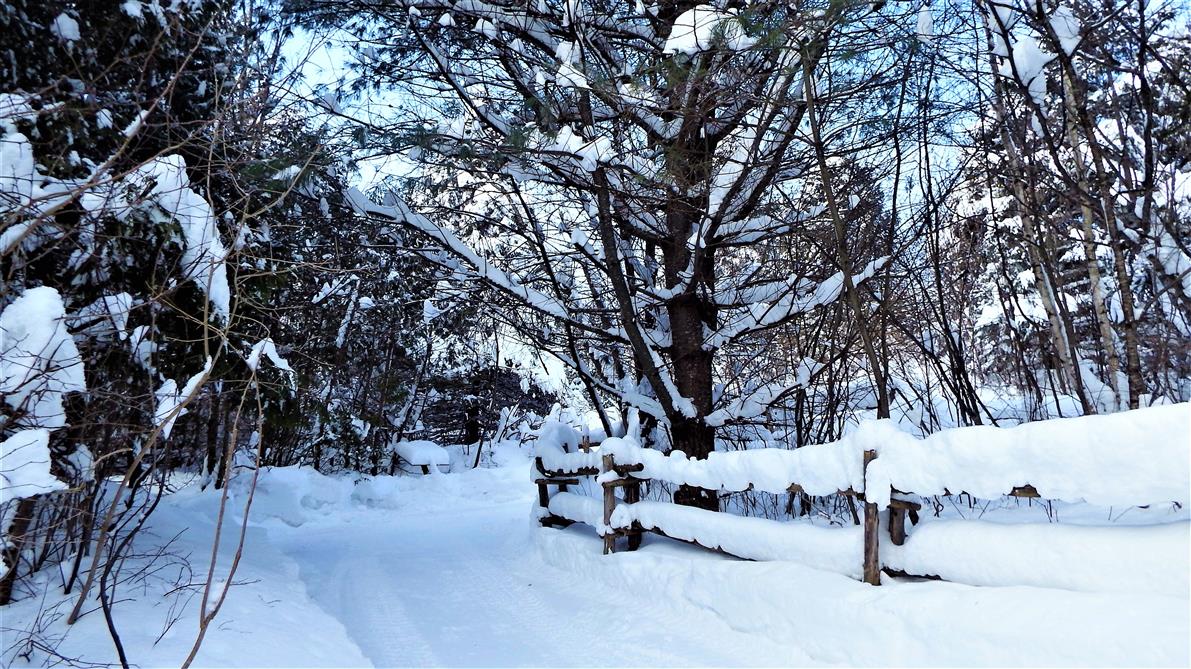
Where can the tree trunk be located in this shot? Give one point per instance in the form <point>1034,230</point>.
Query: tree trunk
<point>1099,305</point>
<point>694,380</point>
<point>15,540</point>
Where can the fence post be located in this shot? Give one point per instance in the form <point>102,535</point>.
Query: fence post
<point>872,559</point>
<point>632,495</point>
<point>609,505</point>
<point>897,525</point>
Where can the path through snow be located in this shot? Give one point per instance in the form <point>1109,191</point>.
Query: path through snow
<point>463,586</point>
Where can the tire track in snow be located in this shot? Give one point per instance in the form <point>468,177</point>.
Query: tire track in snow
<point>378,624</point>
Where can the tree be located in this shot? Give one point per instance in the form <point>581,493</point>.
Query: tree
<point>610,162</point>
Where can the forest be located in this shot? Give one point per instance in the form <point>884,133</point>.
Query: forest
<point>293,293</point>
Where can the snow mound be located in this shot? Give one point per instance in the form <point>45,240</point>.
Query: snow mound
<point>1145,559</point>
<point>298,495</point>
<point>381,492</point>
<point>906,624</point>
<point>295,495</point>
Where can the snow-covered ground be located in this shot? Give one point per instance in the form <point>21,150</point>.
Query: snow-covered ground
<point>451,570</point>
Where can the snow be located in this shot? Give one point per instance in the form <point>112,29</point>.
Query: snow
<point>588,154</point>
<point>133,9</point>
<point>204,255</point>
<point>797,299</point>
<point>422,453</point>
<point>449,571</point>
<point>136,124</point>
<point>821,618</point>
<point>1154,559</point>
<point>1131,458</point>
<point>103,317</point>
<point>399,211</point>
<point>1066,28</point>
<point>819,469</point>
<point>1026,65</point>
<point>1134,458</point>
<point>558,446</point>
<point>926,25</point>
<point>835,549</point>
<point>267,347</point>
<point>268,619</point>
<point>756,403</point>
<point>14,107</point>
<point>487,29</point>
<point>39,361</point>
<point>569,74</point>
<point>65,28</point>
<point>25,466</point>
<point>450,577</point>
<point>698,28</point>
<point>170,400</point>
<point>19,178</point>
<point>582,509</point>
<point>295,495</point>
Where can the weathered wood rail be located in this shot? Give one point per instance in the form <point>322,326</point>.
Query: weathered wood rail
<point>613,477</point>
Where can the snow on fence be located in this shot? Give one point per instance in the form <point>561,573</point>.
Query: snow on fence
<point>425,454</point>
<point>1134,458</point>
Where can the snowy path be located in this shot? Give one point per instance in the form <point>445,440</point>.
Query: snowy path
<point>464,589</point>
<point>454,573</point>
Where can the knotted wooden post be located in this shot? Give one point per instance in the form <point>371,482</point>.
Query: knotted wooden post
<point>609,505</point>
<point>872,559</point>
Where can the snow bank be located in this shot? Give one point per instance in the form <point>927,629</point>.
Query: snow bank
<point>1131,458</point>
<point>298,496</point>
<point>904,624</point>
<point>421,452</point>
<point>294,495</point>
<point>1147,559</point>
<point>266,620</point>
<point>836,549</point>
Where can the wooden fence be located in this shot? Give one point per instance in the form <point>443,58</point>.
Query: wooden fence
<point>628,478</point>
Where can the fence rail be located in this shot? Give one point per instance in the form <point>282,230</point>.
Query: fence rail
<point>612,477</point>
<point>620,468</point>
